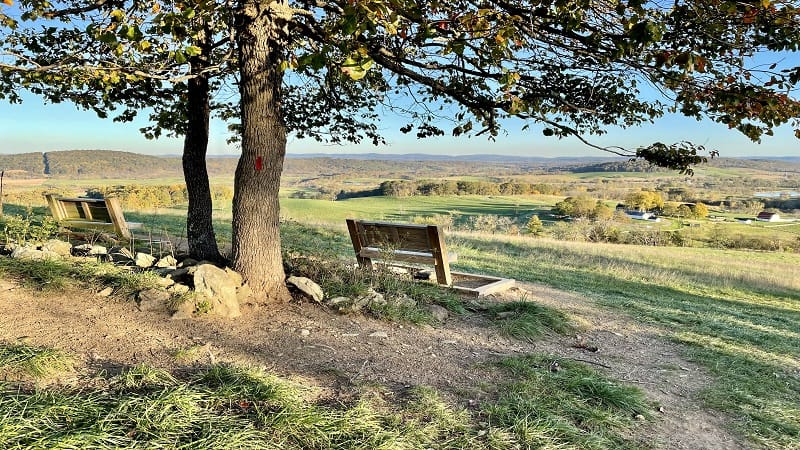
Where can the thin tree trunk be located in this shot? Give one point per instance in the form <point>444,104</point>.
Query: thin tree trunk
<point>256,211</point>
<point>199,227</point>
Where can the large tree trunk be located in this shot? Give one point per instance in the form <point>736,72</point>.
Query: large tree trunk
<point>256,211</point>
<point>199,227</point>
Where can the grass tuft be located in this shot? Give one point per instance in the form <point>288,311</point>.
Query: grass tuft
<point>19,361</point>
<point>557,403</point>
<point>58,275</point>
<point>338,279</point>
<point>528,320</point>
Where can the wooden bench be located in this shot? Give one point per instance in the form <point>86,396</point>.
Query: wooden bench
<point>91,213</point>
<point>401,242</point>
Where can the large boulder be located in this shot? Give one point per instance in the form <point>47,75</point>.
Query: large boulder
<point>216,286</point>
<point>144,260</point>
<point>31,253</point>
<point>167,261</point>
<point>58,247</point>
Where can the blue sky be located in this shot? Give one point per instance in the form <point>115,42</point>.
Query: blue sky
<point>35,127</point>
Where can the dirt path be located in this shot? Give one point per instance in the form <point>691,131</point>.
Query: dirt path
<point>338,352</point>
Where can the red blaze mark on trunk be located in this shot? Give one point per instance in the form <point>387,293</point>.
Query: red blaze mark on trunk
<point>259,164</point>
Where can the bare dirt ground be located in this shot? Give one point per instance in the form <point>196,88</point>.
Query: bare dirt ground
<point>340,352</point>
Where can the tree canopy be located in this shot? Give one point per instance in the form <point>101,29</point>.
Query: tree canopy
<point>575,66</point>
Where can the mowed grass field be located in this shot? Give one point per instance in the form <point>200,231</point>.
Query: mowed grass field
<point>407,208</point>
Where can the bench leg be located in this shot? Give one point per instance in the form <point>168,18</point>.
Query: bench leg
<point>117,217</point>
<point>439,251</point>
<point>355,238</point>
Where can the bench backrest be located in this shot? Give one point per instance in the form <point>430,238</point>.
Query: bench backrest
<point>105,213</point>
<point>90,209</point>
<point>397,237</point>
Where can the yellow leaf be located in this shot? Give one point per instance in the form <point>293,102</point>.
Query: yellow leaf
<point>9,2</point>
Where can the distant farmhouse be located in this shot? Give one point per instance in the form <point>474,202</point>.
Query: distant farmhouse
<point>638,215</point>
<point>766,216</point>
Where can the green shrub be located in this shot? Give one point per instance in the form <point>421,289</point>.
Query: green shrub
<point>21,229</point>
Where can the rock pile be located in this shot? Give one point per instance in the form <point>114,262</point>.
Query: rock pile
<point>185,287</point>
<point>189,287</point>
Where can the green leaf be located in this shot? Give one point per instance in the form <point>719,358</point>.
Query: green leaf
<point>117,15</point>
<point>193,50</point>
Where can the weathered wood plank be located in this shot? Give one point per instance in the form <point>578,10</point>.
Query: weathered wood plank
<point>91,213</point>
<point>401,242</point>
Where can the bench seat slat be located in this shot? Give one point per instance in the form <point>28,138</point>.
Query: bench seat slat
<point>403,255</point>
<point>89,223</point>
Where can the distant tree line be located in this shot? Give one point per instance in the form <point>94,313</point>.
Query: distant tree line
<point>408,188</point>
<point>155,196</point>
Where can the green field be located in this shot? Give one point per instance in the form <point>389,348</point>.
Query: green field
<point>407,208</point>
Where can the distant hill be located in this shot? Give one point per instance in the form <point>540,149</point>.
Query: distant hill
<point>84,164</point>
<point>458,158</point>
<point>23,165</point>
<point>108,164</point>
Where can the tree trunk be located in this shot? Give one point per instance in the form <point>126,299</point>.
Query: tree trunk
<point>199,227</point>
<point>256,211</point>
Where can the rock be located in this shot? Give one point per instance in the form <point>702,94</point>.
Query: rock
<point>144,260</point>
<point>379,334</point>
<point>235,276</point>
<point>307,287</point>
<point>95,250</point>
<point>214,284</point>
<point>371,298</point>
<point>438,312</point>
<point>506,314</point>
<point>165,282</point>
<point>243,293</point>
<point>153,300</point>
<point>343,305</point>
<point>304,332</point>
<point>338,301</point>
<point>32,254</point>
<point>405,301</point>
<point>126,253</point>
<point>58,247</point>
<point>105,292</point>
<point>188,262</point>
<point>178,289</point>
<point>167,261</point>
